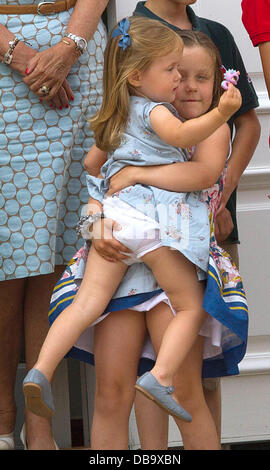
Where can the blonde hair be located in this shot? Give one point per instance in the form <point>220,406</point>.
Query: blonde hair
<point>150,39</point>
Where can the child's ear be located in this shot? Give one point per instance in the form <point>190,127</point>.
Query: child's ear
<point>134,78</point>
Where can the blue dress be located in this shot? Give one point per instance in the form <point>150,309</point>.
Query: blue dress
<point>182,217</point>
<point>42,177</point>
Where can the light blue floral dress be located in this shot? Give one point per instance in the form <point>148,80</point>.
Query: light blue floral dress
<point>42,178</point>
<point>182,217</point>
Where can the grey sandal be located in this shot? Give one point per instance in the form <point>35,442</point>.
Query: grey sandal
<point>38,394</point>
<point>161,395</point>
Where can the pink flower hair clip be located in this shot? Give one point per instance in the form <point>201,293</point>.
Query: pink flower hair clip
<point>230,76</point>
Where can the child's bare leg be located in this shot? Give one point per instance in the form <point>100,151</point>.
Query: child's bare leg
<point>177,277</point>
<point>99,283</point>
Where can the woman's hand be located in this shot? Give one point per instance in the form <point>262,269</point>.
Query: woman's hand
<point>62,97</point>
<point>104,242</point>
<point>50,68</point>
<point>22,56</point>
<point>122,179</point>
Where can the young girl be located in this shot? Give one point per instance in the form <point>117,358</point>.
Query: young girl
<point>137,126</point>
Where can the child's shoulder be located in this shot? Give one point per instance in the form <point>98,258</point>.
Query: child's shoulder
<point>142,108</point>
<point>159,106</point>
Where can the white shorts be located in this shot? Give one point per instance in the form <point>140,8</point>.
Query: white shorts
<point>139,233</point>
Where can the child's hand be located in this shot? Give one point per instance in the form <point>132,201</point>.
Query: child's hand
<point>122,179</point>
<point>230,102</point>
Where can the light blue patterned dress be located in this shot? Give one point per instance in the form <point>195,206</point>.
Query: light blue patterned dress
<point>182,217</point>
<point>42,178</point>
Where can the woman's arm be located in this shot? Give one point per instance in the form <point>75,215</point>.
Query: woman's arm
<point>264,48</point>
<point>185,134</point>
<point>247,135</point>
<point>200,173</point>
<point>85,17</point>
<point>52,66</point>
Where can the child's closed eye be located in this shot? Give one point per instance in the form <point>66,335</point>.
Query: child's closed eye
<point>202,77</point>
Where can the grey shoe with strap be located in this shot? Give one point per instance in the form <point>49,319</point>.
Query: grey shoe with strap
<point>38,394</point>
<point>161,395</point>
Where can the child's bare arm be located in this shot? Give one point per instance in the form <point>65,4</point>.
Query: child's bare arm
<point>185,134</point>
<point>94,160</point>
<point>264,48</point>
<point>200,173</point>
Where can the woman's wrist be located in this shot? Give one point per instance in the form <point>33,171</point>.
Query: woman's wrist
<point>79,42</point>
<point>68,49</point>
<point>21,55</point>
<point>7,57</point>
<point>6,37</point>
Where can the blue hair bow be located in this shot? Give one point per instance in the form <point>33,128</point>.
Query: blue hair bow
<point>122,30</point>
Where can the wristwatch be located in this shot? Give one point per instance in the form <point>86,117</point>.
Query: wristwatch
<point>81,43</point>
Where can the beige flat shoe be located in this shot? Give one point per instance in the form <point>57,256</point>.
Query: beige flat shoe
<point>7,441</point>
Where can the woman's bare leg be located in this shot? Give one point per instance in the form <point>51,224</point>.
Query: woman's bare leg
<point>11,335</point>
<point>36,307</point>
<point>24,311</point>
<point>118,343</point>
<point>99,283</point>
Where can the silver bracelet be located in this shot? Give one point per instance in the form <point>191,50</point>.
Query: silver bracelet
<point>85,222</point>
<point>7,59</point>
